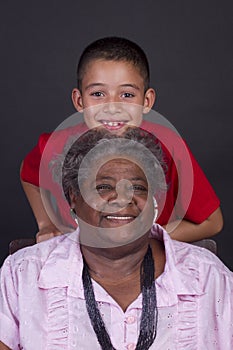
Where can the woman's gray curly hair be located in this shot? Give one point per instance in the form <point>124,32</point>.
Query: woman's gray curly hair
<point>99,144</point>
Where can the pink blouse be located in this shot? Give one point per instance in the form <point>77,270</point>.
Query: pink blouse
<point>42,305</point>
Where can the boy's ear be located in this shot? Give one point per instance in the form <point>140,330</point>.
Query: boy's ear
<point>149,100</point>
<point>77,100</point>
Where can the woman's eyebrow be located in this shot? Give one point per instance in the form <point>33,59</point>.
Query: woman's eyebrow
<point>136,178</point>
<point>104,178</point>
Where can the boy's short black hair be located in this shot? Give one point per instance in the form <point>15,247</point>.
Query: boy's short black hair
<point>115,49</point>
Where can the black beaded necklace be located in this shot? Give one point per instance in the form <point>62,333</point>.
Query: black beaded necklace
<point>149,317</point>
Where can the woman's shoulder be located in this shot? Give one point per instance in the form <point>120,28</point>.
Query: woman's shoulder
<point>39,253</point>
<point>200,263</point>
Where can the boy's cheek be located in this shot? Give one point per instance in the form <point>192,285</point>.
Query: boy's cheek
<point>90,114</point>
<point>90,122</point>
<point>127,114</point>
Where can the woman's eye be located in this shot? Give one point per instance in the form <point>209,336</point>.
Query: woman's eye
<point>103,188</point>
<point>139,188</point>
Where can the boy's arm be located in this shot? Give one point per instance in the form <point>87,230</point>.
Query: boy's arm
<point>46,228</point>
<point>3,346</point>
<point>188,231</point>
<point>30,167</point>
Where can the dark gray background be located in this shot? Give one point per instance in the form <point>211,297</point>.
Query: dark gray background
<point>189,46</point>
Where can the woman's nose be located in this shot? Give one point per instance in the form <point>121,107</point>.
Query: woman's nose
<point>123,195</point>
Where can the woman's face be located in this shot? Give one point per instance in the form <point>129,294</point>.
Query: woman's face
<point>116,202</point>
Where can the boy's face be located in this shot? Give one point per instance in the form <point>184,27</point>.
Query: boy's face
<point>113,95</point>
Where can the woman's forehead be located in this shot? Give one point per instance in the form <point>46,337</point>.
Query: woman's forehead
<point>121,168</point>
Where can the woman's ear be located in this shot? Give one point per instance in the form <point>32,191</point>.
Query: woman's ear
<point>149,100</point>
<point>73,199</point>
<point>77,100</point>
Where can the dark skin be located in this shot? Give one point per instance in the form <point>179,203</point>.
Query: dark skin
<point>117,267</point>
<point>3,346</point>
<point>119,272</point>
<point>123,187</point>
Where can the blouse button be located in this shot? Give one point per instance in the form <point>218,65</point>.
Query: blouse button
<point>130,319</point>
<point>131,346</point>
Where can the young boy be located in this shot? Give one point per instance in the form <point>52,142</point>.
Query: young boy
<point>113,81</point>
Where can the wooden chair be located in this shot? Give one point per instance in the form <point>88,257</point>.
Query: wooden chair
<point>207,243</point>
<point>17,244</point>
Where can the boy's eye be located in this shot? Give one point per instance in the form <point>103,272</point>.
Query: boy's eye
<point>128,95</point>
<point>97,94</point>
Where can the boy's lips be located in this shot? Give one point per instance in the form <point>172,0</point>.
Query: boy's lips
<point>113,125</point>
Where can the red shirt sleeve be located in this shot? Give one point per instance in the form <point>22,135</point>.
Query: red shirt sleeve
<point>204,200</point>
<point>31,163</point>
<point>189,195</point>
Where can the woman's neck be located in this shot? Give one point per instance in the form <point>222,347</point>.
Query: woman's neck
<point>117,270</point>
<point>124,260</point>
<point>114,264</point>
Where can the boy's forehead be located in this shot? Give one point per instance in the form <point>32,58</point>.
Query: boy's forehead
<point>101,71</point>
<point>97,63</point>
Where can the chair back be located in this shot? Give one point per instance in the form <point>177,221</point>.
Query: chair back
<point>207,243</point>
<point>17,244</point>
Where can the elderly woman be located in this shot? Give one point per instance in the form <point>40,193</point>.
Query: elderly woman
<point>118,282</point>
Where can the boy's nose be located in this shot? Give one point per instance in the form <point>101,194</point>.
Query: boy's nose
<point>113,107</point>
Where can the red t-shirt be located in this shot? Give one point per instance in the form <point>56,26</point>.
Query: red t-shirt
<point>189,195</point>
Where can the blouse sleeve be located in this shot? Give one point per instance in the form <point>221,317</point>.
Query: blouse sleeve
<point>216,323</point>
<point>9,331</point>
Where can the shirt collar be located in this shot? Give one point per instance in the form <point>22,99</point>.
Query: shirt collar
<point>64,265</point>
<point>181,272</point>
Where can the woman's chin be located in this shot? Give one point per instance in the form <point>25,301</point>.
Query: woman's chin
<point>114,235</point>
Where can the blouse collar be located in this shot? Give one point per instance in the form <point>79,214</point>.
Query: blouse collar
<point>64,265</point>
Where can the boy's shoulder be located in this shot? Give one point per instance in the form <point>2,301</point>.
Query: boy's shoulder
<point>61,133</point>
<point>167,135</point>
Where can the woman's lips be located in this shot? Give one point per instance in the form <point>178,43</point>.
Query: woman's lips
<point>119,219</point>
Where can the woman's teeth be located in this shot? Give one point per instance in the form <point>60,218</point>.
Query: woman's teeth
<point>111,217</point>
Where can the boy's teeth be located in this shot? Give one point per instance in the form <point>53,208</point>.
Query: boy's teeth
<point>111,123</point>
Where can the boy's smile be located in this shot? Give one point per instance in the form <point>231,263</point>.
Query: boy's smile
<point>113,95</point>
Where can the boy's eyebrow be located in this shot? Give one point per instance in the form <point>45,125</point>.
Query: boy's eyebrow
<point>134,86</point>
<point>130,85</point>
<point>93,85</point>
